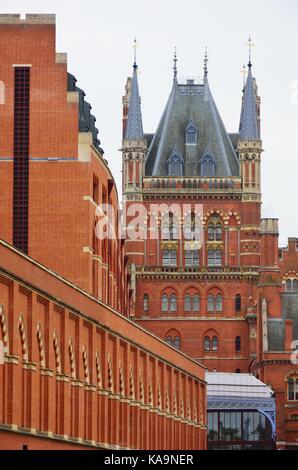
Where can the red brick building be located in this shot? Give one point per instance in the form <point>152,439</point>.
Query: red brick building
<point>206,272</point>
<point>76,373</point>
<point>206,275</point>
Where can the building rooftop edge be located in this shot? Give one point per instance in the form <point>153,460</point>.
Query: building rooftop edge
<point>30,18</point>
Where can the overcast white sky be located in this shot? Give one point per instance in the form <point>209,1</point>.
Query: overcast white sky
<point>98,37</point>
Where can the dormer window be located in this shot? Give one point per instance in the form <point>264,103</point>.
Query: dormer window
<point>191,133</point>
<point>207,163</point>
<point>175,164</point>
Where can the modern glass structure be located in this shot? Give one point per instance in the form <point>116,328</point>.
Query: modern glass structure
<point>241,412</point>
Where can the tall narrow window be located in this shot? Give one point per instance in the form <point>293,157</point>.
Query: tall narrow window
<point>218,232</point>
<point>295,285</point>
<point>219,303</point>
<point>291,389</point>
<point>177,342</point>
<point>146,303</point>
<point>164,303</point>
<point>238,303</point>
<point>238,344</point>
<point>214,343</point>
<point>207,343</point>
<point>187,303</point>
<point>196,303</point>
<point>210,303</point>
<point>288,285</point>
<point>21,157</point>
<point>173,303</point>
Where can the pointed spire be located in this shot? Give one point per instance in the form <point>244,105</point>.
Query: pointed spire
<point>175,60</point>
<point>249,119</point>
<point>134,125</point>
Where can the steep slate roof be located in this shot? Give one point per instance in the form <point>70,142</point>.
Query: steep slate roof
<point>191,102</point>
<point>134,124</point>
<point>248,120</point>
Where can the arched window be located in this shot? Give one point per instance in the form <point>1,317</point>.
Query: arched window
<point>238,303</point>
<point>191,133</point>
<point>214,343</point>
<point>238,371</point>
<point>219,303</point>
<point>207,343</point>
<point>177,342</point>
<point>169,340</point>
<point>196,303</point>
<point>173,303</point>
<point>146,302</point>
<point>164,303</point>
<point>288,285</point>
<point>207,165</point>
<point>237,344</point>
<point>169,257</point>
<point>293,389</point>
<point>215,230</point>
<point>295,285</point>
<point>187,303</point>
<point>175,164</point>
<point>210,303</point>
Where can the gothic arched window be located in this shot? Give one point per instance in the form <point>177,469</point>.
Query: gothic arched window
<point>293,389</point>
<point>173,303</point>
<point>210,303</point>
<point>207,343</point>
<point>191,133</point>
<point>196,303</point>
<point>187,303</point>
<point>164,303</point>
<point>177,342</point>
<point>175,164</point>
<point>219,303</point>
<point>214,343</point>
<point>207,163</point>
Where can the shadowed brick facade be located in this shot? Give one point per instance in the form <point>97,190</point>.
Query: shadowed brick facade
<point>76,373</point>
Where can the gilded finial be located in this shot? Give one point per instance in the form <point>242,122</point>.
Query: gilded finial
<point>135,45</point>
<point>175,60</point>
<point>250,46</point>
<point>206,63</point>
